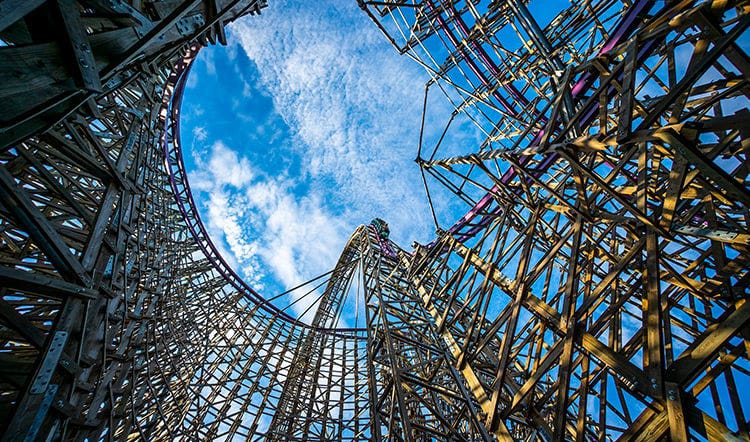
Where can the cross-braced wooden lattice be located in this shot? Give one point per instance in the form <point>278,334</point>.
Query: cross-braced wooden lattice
<point>595,289</point>
<point>597,286</point>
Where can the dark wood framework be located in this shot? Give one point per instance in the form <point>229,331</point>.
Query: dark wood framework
<point>596,289</point>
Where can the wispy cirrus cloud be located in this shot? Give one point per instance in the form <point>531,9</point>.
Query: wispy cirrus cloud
<point>322,135</point>
<point>269,230</point>
<point>352,103</point>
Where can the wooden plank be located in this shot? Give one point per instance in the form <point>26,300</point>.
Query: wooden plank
<point>653,359</point>
<point>475,386</point>
<point>28,67</point>
<point>13,10</point>
<point>702,352</point>
<point>625,369</point>
<point>694,73</point>
<point>84,65</point>
<point>121,9</point>
<point>677,429</point>
<point>21,324</point>
<point>728,184</point>
<point>18,202</point>
<point>647,427</point>
<point>628,86</point>
<point>709,427</point>
<point>568,322</point>
<point>150,37</point>
<point>42,284</point>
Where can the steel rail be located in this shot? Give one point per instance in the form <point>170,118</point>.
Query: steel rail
<point>173,155</point>
<point>621,32</point>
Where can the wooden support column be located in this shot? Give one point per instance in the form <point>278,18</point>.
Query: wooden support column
<point>568,323</point>
<point>469,375</point>
<point>653,358</point>
<point>74,36</point>
<point>677,428</point>
<point>494,417</point>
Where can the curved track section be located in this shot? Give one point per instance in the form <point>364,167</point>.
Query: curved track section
<point>596,290</point>
<point>171,102</point>
<point>118,318</point>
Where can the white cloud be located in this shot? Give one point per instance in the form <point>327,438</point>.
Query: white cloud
<point>200,133</point>
<point>267,227</point>
<point>207,58</point>
<point>228,168</point>
<point>352,106</point>
<point>351,100</point>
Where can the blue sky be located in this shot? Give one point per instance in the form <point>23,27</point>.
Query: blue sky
<point>303,127</point>
<point>307,125</point>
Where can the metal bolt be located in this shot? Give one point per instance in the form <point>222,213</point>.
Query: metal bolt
<point>672,395</point>
<point>60,403</point>
<point>84,47</point>
<point>65,363</point>
<point>83,62</point>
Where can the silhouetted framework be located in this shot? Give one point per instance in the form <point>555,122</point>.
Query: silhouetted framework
<point>595,289</point>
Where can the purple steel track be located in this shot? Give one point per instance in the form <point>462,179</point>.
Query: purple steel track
<point>621,32</point>
<point>171,104</point>
<point>170,118</point>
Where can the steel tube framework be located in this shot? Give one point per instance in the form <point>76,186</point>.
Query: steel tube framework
<point>596,288</point>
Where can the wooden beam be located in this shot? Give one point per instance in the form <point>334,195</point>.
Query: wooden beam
<point>677,428</point>
<point>475,386</point>
<point>18,203</point>
<point>686,148</point>
<point>74,36</point>
<point>42,284</point>
<point>703,351</point>
<point>13,10</point>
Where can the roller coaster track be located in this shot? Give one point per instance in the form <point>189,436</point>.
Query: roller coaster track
<point>596,288</point>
